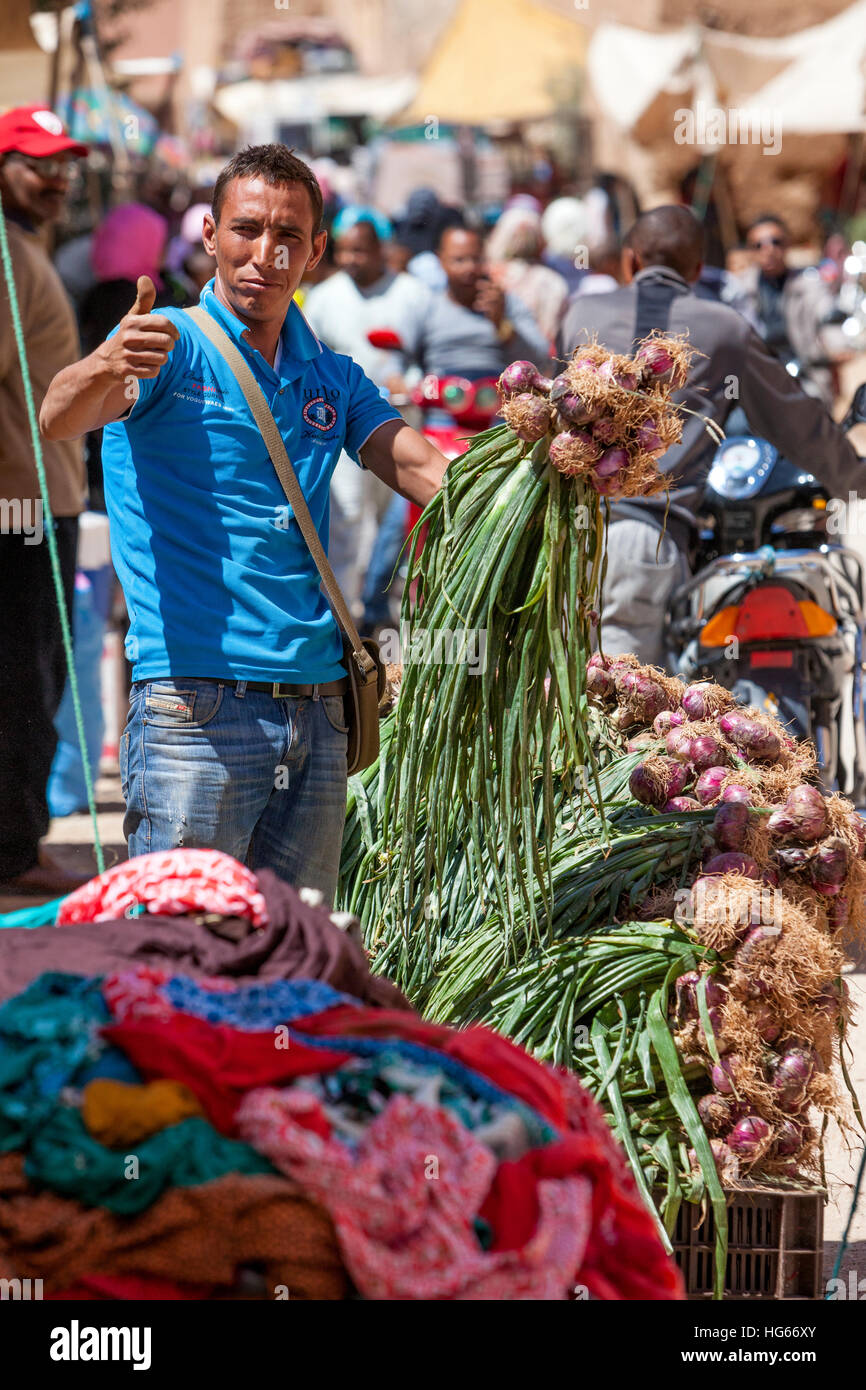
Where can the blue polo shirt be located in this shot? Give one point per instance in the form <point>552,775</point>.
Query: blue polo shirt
<point>217,577</point>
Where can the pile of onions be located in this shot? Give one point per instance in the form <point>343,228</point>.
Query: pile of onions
<point>767,1057</point>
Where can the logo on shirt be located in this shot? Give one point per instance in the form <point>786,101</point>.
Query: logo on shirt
<point>320,414</point>
<point>202,389</point>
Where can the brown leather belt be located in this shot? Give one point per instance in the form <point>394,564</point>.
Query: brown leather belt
<point>287,690</point>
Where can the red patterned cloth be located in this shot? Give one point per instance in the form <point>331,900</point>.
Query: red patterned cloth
<point>624,1257</point>
<point>135,994</point>
<point>219,1064</point>
<point>403,1208</point>
<point>171,883</point>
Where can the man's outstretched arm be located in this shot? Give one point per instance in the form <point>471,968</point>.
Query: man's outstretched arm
<point>405,460</point>
<point>800,426</point>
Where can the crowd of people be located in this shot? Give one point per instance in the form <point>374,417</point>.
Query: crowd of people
<point>431,305</point>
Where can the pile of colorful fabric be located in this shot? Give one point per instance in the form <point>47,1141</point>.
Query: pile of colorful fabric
<point>212,1097</point>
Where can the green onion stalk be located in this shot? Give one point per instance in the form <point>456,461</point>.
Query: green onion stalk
<point>512,556</point>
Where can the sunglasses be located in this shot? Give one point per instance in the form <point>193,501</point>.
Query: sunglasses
<point>47,169</point>
<point>766,241</point>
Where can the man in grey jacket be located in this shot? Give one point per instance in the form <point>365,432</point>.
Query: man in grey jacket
<point>661,262</point>
<point>788,307</point>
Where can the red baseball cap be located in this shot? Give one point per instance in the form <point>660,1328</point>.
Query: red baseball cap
<point>36,131</point>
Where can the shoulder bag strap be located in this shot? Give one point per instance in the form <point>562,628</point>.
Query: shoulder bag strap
<point>255,399</point>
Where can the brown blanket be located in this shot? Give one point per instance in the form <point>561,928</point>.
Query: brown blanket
<point>200,1234</point>
<point>300,942</point>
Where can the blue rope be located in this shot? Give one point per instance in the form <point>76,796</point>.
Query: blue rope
<point>851,1214</point>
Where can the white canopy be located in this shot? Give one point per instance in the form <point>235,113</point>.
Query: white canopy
<point>248,103</point>
<point>814,81</point>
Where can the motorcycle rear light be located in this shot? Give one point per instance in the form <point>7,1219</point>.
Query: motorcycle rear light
<point>757,660</point>
<point>819,622</point>
<point>767,614</point>
<point>471,403</point>
<point>721,627</point>
<point>487,398</point>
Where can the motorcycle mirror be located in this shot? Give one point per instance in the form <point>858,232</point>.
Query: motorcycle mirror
<point>384,338</point>
<point>857,409</point>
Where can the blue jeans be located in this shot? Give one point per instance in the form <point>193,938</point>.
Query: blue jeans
<point>209,765</point>
<point>67,789</point>
<point>386,552</point>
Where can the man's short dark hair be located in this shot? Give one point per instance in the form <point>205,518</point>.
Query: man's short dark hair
<point>605,250</point>
<point>670,235</point>
<point>454,226</point>
<point>276,164</point>
<point>774,219</point>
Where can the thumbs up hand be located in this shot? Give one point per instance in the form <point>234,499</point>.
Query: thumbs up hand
<point>145,296</point>
<point>143,341</point>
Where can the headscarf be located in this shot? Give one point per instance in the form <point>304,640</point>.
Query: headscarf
<point>516,236</point>
<point>193,223</point>
<point>190,238</point>
<point>350,216</point>
<point>565,225</point>
<point>524,200</point>
<point>130,241</point>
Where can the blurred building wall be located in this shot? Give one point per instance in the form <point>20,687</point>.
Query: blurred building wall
<point>793,183</point>
<point>24,68</point>
<point>386,36</point>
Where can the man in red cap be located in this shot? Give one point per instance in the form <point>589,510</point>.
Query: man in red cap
<point>36,157</point>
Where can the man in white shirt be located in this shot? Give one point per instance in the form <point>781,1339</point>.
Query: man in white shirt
<point>363,295</point>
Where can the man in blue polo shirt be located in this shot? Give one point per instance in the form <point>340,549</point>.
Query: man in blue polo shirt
<point>235,737</point>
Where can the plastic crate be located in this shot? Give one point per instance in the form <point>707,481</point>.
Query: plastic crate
<point>775,1245</point>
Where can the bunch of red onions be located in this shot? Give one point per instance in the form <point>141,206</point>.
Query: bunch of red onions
<point>604,414</point>
<point>696,749</point>
<point>725,1111</point>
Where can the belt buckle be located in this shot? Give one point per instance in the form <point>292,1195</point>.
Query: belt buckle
<point>277,692</point>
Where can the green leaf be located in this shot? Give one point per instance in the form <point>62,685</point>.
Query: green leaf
<point>665,1050</point>
<point>706,1025</point>
<point>623,1132</point>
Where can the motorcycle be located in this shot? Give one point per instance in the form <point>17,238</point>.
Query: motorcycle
<point>775,609</point>
<point>448,409</point>
<point>454,408</point>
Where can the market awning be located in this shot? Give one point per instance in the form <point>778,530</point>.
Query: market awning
<point>313,98</point>
<point>499,60</point>
<point>813,82</point>
<point>823,89</point>
<point>94,116</point>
